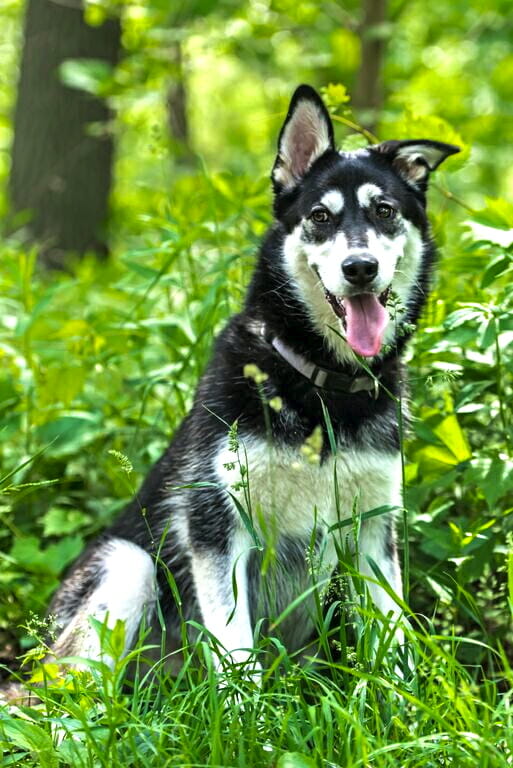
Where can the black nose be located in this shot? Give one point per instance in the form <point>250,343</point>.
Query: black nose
<point>360,270</point>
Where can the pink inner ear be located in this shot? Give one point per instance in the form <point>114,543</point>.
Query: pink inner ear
<point>305,139</point>
<point>303,154</point>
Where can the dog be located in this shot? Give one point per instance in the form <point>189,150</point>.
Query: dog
<point>294,428</point>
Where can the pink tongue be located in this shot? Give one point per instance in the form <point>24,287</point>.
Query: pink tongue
<point>366,320</point>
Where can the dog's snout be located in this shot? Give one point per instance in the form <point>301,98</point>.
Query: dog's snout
<point>360,270</point>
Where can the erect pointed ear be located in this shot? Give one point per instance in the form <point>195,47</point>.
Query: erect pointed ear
<point>416,158</point>
<point>306,134</point>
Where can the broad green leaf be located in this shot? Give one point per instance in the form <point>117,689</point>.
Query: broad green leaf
<point>73,753</point>
<point>498,213</point>
<point>60,384</point>
<point>451,434</point>
<point>437,455</point>
<point>58,521</point>
<point>68,434</point>
<point>33,738</point>
<point>493,476</point>
<point>466,314</point>
<point>487,334</point>
<point>495,269</point>
<point>27,551</point>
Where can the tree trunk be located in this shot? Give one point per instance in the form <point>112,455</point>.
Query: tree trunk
<point>177,109</point>
<point>369,95</point>
<point>61,174</point>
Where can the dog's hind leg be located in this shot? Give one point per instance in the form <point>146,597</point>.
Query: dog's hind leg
<point>113,580</point>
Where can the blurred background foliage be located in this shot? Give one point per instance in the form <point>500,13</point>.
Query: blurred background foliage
<point>100,356</point>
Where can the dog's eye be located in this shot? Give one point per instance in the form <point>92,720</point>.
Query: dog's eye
<point>320,216</point>
<point>385,211</point>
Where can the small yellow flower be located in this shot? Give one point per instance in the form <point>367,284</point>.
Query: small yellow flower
<point>276,403</point>
<point>252,371</point>
<point>336,94</point>
<point>312,447</point>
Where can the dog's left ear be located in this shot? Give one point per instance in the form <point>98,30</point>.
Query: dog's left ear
<point>414,159</point>
<point>306,134</point>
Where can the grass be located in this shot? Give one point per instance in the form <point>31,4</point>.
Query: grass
<point>347,712</point>
<point>98,369</point>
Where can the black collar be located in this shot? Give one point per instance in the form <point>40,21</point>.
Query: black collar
<point>322,378</point>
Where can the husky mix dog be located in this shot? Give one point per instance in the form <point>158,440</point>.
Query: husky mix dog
<point>252,494</point>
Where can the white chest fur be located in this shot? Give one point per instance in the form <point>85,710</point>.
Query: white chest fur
<point>282,490</point>
<point>287,498</point>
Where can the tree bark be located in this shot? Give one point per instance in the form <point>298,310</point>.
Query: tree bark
<point>61,174</point>
<point>369,93</point>
<point>177,109</point>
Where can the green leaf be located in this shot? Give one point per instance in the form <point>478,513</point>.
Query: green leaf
<point>451,434</point>
<point>434,454</point>
<point>386,509</point>
<point>493,476</point>
<point>61,520</point>
<point>27,552</point>
<point>464,315</point>
<point>495,269</point>
<point>141,269</point>
<point>68,434</point>
<point>498,213</point>
<point>116,645</point>
<point>60,384</point>
<point>73,753</point>
<point>91,75</point>
<point>487,334</point>
<point>33,738</point>
<point>295,760</point>
<point>248,523</point>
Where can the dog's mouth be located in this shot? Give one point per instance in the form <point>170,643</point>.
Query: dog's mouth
<point>364,317</point>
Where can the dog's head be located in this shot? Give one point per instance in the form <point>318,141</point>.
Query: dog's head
<point>355,224</point>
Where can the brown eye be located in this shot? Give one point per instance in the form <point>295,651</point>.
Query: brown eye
<point>320,216</point>
<point>384,211</point>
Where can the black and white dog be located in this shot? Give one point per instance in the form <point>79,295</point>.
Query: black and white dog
<point>294,426</point>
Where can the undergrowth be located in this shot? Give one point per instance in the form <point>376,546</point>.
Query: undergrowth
<point>98,369</point>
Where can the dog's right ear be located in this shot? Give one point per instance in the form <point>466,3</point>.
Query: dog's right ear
<point>306,134</point>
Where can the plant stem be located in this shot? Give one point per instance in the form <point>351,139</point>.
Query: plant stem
<point>371,138</point>
<point>449,195</point>
<point>500,392</point>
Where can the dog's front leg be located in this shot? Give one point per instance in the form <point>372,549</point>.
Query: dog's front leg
<point>221,584</point>
<point>378,561</point>
<point>377,546</point>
